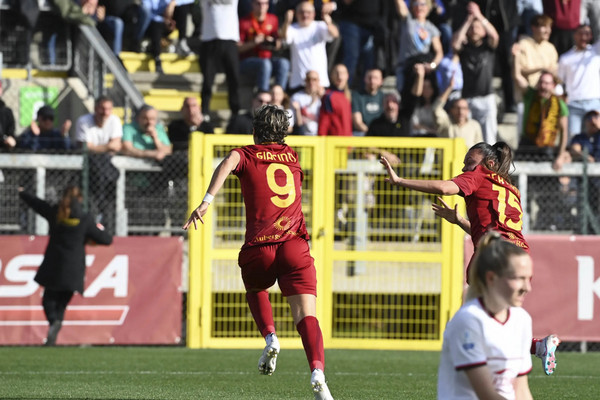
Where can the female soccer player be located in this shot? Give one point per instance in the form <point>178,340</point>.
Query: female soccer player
<point>276,246</point>
<point>485,353</point>
<point>493,203</point>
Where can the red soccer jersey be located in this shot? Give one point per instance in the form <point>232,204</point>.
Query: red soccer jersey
<point>492,204</point>
<point>250,27</point>
<point>271,181</point>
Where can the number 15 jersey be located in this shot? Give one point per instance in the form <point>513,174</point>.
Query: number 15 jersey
<point>271,181</point>
<point>492,204</point>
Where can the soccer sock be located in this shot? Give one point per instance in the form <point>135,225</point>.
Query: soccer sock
<point>261,310</point>
<point>312,340</point>
<point>533,348</point>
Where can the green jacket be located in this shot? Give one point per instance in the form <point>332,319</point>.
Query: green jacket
<point>72,12</point>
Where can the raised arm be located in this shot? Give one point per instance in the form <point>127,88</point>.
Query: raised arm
<point>492,34</point>
<point>426,186</point>
<point>218,178</point>
<point>401,8</point>
<point>518,77</point>
<point>460,37</point>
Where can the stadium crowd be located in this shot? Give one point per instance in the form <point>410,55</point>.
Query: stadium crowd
<point>326,63</point>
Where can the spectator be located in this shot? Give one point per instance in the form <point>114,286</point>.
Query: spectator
<point>425,92</point>
<point>590,15</point>
<point>475,43</point>
<point>306,105</point>
<point>394,122</point>
<point>281,99</point>
<point>419,43</point>
<point>544,118</point>
<point>528,9</point>
<point>456,123</point>
<point>579,70</point>
<point>101,133</point>
<point>259,38</point>
<point>450,68</point>
<point>62,270</point>
<point>192,121</point>
<point>307,39</point>
<point>161,24</point>
<point>358,22</point>
<point>7,125</point>
<point>588,140</point>
<point>536,54</point>
<point>53,31</point>
<point>183,9</point>
<point>42,135</point>
<point>218,49</point>
<point>565,15</point>
<point>109,26</point>
<point>146,137</point>
<point>335,116</point>
<point>242,123</point>
<point>367,104</point>
<point>131,15</point>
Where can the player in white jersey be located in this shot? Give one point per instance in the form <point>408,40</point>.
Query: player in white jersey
<point>485,353</point>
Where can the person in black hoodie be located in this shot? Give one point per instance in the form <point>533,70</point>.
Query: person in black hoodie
<point>63,269</point>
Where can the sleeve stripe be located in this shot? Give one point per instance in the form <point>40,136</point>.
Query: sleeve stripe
<point>467,366</point>
<point>524,373</point>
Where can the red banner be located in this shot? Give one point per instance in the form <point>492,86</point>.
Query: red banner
<point>132,293</point>
<point>566,286</point>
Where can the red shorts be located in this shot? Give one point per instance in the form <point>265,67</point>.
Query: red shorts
<point>289,263</point>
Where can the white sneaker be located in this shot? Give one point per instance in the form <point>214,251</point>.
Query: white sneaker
<point>320,389</point>
<point>267,362</point>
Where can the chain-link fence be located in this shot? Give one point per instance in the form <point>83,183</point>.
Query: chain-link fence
<point>129,196</point>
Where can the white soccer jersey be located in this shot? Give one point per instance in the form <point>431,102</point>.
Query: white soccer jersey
<point>474,338</point>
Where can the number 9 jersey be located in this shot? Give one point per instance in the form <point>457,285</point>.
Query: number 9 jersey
<point>271,181</point>
<point>492,204</point>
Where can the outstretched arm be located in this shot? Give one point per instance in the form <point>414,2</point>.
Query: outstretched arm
<point>221,173</point>
<point>451,215</point>
<point>426,186</point>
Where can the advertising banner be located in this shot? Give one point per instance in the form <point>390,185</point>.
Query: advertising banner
<point>565,296</point>
<point>132,293</point>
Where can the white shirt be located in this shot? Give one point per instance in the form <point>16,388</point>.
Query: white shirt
<point>220,20</point>
<point>87,131</point>
<point>310,111</point>
<point>473,338</point>
<point>307,51</point>
<point>580,72</point>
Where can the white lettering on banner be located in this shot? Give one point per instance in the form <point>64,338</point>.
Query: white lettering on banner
<point>16,272</point>
<point>587,287</point>
<point>115,276</point>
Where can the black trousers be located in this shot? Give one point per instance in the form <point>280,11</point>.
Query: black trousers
<point>55,303</point>
<point>216,55</point>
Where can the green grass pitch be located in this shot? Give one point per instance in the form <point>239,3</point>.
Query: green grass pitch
<point>180,373</point>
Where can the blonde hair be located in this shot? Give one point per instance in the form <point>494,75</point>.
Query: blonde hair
<point>64,206</point>
<point>493,254</point>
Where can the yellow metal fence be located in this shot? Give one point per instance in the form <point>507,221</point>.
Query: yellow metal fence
<point>389,271</point>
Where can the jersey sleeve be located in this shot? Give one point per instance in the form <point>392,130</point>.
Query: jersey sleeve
<point>469,181</point>
<point>243,162</point>
<point>465,342</point>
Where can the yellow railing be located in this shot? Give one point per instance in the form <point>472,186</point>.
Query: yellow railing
<point>389,272</point>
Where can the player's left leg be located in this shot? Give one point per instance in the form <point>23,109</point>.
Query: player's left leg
<point>261,310</point>
<point>545,349</point>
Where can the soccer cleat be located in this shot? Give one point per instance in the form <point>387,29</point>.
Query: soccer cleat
<point>320,389</point>
<point>546,349</point>
<point>268,361</point>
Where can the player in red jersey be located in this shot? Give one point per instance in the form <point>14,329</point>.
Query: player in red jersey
<point>276,247</point>
<point>493,203</point>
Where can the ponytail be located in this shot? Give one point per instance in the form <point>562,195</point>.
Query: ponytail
<point>501,155</point>
<point>64,205</point>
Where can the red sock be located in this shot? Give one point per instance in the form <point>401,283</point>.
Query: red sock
<point>312,340</point>
<point>261,310</point>
<point>533,345</point>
